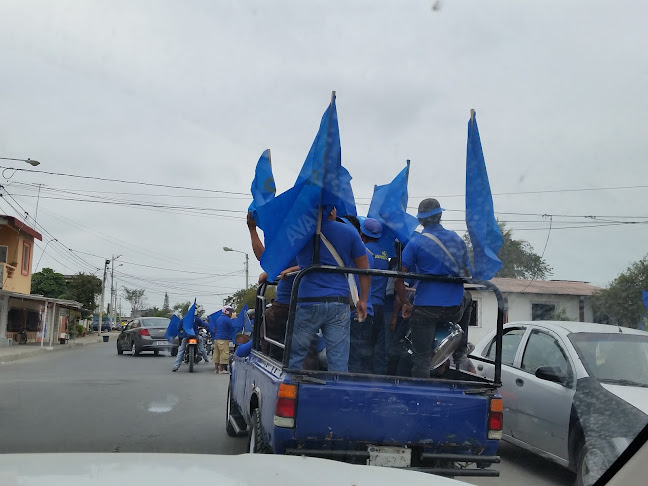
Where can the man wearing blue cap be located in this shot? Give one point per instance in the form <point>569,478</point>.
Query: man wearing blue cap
<point>371,230</point>
<point>437,251</point>
<point>323,298</point>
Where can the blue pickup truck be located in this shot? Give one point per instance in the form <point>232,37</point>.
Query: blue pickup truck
<point>449,425</point>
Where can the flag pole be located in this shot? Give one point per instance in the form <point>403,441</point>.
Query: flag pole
<point>318,231</point>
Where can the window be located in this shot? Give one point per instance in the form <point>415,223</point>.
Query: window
<point>4,249</point>
<point>474,320</point>
<point>542,312</point>
<point>543,349</point>
<point>510,342</point>
<point>26,259</point>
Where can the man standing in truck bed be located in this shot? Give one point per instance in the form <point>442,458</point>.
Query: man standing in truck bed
<point>323,299</point>
<point>436,251</point>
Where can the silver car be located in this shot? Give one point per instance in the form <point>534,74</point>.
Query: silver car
<point>144,334</point>
<point>573,392</point>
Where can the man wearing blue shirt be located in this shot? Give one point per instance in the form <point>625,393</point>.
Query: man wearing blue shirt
<point>182,337</point>
<point>371,231</point>
<point>276,316</point>
<point>436,251</point>
<point>323,299</point>
<point>222,338</point>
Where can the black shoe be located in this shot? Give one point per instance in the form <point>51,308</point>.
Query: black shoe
<point>174,369</point>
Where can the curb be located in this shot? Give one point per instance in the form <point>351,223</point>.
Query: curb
<point>28,353</point>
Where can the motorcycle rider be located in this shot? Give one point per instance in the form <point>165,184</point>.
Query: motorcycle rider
<point>182,337</point>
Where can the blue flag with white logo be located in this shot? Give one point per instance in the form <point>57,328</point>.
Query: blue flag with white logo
<point>211,321</point>
<point>644,297</point>
<point>485,235</point>
<point>389,207</point>
<point>238,323</point>
<point>188,320</point>
<point>172,329</point>
<point>263,186</point>
<point>290,219</point>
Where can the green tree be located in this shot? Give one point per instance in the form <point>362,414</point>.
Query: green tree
<point>84,288</point>
<point>518,258</point>
<point>248,296</point>
<point>183,307</point>
<point>49,283</point>
<point>136,299</point>
<point>620,303</point>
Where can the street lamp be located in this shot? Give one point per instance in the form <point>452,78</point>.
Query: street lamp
<point>247,264</point>
<point>31,162</point>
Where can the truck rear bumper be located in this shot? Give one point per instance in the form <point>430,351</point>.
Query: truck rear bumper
<point>441,464</point>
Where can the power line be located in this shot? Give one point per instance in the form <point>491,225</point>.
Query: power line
<point>121,181</point>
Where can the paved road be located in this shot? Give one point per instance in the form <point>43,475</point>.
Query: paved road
<point>91,400</point>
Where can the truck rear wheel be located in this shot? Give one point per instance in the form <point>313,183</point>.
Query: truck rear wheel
<point>256,442</point>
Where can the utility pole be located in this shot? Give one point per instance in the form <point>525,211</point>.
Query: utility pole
<point>247,271</point>
<point>103,287</point>
<point>112,288</point>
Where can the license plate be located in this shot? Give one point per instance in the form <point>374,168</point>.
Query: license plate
<point>161,343</point>
<point>389,456</point>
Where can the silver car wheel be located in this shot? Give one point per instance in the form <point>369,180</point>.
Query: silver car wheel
<point>593,466</point>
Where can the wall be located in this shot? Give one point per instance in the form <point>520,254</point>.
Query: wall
<point>13,279</point>
<point>520,309</point>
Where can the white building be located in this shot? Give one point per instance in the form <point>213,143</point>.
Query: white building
<point>530,300</point>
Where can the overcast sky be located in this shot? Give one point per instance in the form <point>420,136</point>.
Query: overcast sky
<point>190,93</point>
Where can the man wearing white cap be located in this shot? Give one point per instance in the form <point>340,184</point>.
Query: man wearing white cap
<point>222,338</point>
<point>437,251</point>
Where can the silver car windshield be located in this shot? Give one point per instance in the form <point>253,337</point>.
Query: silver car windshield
<point>620,359</point>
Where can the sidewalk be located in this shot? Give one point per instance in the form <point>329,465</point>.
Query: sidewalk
<point>20,351</point>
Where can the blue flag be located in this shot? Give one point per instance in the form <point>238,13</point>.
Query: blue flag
<point>346,204</point>
<point>290,219</point>
<point>263,186</point>
<point>485,235</point>
<point>172,329</point>
<point>238,323</point>
<point>188,320</point>
<point>389,207</point>
<point>211,321</point>
<point>644,297</point>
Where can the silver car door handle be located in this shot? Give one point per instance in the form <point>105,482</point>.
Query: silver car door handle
<point>480,367</point>
<point>519,382</point>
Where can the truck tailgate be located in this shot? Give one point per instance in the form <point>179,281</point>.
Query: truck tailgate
<point>392,411</point>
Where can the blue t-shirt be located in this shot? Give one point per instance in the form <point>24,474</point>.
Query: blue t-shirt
<point>223,328</point>
<point>196,322</point>
<point>284,287</point>
<point>380,262</point>
<point>346,241</point>
<point>423,255</point>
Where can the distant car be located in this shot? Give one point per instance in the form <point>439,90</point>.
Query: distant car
<point>105,327</point>
<point>575,393</point>
<point>144,334</point>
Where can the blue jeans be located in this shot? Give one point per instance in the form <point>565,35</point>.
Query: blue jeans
<point>181,350</point>
<point>361,354</point>
<point>333,319</point>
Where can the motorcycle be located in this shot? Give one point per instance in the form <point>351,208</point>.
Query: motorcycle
<point>191,355</point>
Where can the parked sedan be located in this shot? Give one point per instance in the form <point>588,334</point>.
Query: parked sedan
<point>144,334</point>
<point>573,392</point>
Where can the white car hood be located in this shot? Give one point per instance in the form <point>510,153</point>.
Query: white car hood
<point>104,469</point>
<point>634,395</point>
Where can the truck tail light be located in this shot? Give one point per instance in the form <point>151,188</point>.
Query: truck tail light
<point>144,332</point>
<point>286,406</point>
<point>495,418</point>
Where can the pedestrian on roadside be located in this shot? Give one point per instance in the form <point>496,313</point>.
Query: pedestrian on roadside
<point>222,338</point>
